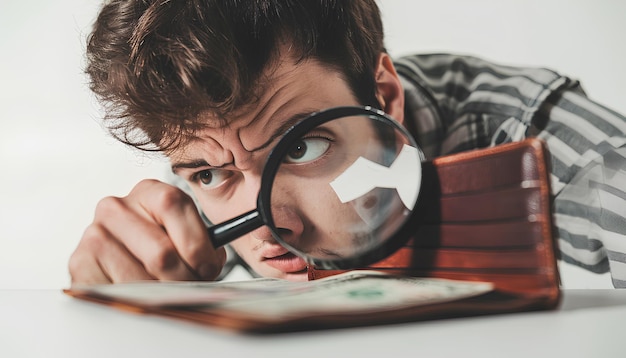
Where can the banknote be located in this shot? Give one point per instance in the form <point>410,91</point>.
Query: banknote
<point>354,291</point>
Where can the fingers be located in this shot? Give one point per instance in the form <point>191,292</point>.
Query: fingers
<point>178,216</point>
<point>99,258</point>
<point>153,233</point>
<point>144,239</point>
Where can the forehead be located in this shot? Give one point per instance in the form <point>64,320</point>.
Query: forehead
<point>289,91</point>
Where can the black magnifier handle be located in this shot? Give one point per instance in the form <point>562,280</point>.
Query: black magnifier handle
<point>222,234</point>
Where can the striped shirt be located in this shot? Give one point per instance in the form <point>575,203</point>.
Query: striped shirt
<point>456,103</point>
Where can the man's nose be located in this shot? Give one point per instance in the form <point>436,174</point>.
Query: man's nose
<point>287,224</point>
<point>249,191</point>
<point>286,211</point>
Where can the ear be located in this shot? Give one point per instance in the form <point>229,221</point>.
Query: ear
<point>389,91</point>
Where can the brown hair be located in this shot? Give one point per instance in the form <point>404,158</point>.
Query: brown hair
<point>156,64</point>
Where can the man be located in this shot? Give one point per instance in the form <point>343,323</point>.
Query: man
<point>213,84</point>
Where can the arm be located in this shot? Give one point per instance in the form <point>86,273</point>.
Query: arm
<point>588,146</point>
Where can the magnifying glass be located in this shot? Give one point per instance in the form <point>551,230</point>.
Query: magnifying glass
<point>349,177</point>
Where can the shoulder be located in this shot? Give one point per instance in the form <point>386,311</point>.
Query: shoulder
<point>469,65</point>
<point>469,83</point>
<point>459,69</point>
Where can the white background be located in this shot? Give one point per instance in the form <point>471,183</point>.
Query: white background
<point>57,162</point>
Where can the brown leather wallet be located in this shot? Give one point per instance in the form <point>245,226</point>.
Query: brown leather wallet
<point>484,215</point>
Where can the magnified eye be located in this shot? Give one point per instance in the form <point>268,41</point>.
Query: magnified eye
<point>306,150</point>
<point>211,178</point>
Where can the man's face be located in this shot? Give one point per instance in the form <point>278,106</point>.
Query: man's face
<point>316,174</point>
<point>224,165</point>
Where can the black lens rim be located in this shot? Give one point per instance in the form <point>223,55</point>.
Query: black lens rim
<point>274,160</point>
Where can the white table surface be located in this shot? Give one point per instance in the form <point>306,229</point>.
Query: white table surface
<point>47,323</point>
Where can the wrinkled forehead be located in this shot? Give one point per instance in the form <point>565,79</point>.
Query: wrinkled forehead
<point>289,93</point>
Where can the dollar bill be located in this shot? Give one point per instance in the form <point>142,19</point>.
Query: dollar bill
<point>354,291</point>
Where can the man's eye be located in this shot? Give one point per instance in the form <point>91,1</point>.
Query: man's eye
<point>306,150</point>
<point>211,178</point>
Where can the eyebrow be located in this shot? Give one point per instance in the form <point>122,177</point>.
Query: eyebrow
<point>193,165</point>
<point>286,125</point>
<point>279,132</point>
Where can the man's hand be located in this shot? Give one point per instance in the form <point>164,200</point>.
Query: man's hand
<point>153,233</point>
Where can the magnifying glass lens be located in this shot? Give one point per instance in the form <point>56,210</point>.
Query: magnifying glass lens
<point>344,187</point>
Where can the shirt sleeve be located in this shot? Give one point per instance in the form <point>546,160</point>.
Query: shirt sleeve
<point>587,142</point>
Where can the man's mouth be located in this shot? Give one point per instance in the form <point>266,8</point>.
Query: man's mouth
<point>286,262</point>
